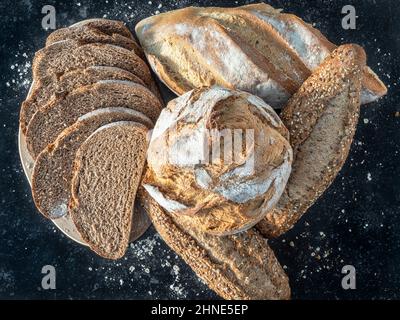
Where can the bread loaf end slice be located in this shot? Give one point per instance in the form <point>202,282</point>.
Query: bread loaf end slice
<point>105,25</point>
<point>107,172</point>
<point>321,118</point>
<point>68,55</point>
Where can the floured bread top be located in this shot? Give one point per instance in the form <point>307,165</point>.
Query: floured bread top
<point>219,157</point>
<point>254,48</point>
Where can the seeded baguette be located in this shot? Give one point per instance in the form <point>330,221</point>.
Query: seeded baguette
<point>52,174</point>
<point>59,114</point>
<point>321,118</point>
<point>87,34</point>
<point>107,172</point>
<point>236,267</point>
<point>68,55</point>
<point>67,83</point>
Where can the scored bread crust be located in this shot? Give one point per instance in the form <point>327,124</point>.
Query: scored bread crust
<point>66,83</point>
<point>102,202</point>
<point>253,48</point>
<point>52,173</point>
<point>236,267</point>
<point>68,55</point>
<point>59,114</point>
<point>87,34</point>
<point>321,118</point>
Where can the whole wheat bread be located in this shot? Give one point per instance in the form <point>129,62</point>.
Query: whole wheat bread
<point>67,55</point>
<point>65,84</point>
<point>61,113</point>
<point>107,172</point>
<point>87,34</point>
<point>254,48</point>
<point>321,118</point>
<point>52,174</point>
<point>241,266</point>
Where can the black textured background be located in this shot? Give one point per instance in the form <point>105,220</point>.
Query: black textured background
<point>356,221</point>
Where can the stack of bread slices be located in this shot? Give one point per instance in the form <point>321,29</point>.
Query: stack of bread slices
<point>85,122</point>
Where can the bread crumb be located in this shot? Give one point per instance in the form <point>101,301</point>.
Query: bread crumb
<point>369,178</point>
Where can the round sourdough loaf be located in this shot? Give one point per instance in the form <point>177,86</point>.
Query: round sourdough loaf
<point>219,158</point>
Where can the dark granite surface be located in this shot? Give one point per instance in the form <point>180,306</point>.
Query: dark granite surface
<point>355,222</point>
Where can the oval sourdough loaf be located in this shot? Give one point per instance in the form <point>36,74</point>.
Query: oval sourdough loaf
<point>68,55</point>
<point>240,266</point>
<point>321,118</point>
<point>52,174</point>
<point>253,48</point>
<point>67,83</point>
<point>61,113</point>
<point>107,172</point>
<point>218,158</point>
<point>88,34</point>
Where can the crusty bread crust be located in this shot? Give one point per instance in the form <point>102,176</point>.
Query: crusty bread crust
<point>223,194</point>
<point>105,25</point>
<point>236,267</point>
<point>87,34</point>
<point>322,118</point>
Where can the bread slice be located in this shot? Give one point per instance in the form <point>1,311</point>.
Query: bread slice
<point>321,118</point>
<point>52,174</point>
<point>254,48</point>
<point>105,25</point>
<point>87,34</point>
<point>107,172</point>
<point>67,83</point>
<point>61,113</point>
<point>68,55</point>
<point>241,266</point>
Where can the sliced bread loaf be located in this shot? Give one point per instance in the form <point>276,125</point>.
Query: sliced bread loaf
<point>52,174</point>
<point>67,55</point>
<point>321,118</point>
<point>89,34</point>
<point>107,172</point>
<point>61,113</point>
<point>65,84</point>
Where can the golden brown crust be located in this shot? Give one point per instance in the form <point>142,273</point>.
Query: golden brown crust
<point>321,118</point>
<point>235,267</point>
<point>279,49</point>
